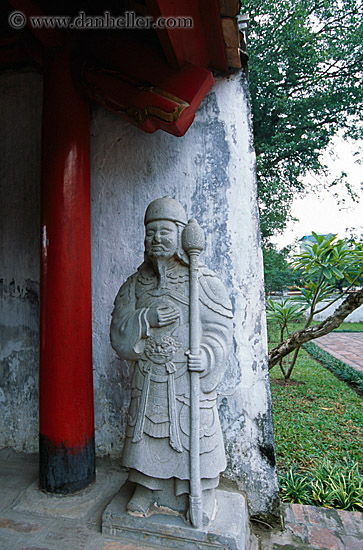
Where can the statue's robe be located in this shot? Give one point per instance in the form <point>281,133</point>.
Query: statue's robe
<point>157,438</point>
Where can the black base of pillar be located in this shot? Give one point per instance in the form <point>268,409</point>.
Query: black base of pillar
<point>65,471</point>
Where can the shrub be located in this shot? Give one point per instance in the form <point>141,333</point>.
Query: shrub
<point>341,370</point>
<point>329,485</point>
<point>295,487</point>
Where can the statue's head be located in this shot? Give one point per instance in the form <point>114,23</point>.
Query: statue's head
<point>164,221</point>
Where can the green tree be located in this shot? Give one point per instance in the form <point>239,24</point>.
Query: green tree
<point>323,263</point>
<point>278,273</point>
<point>306,82</point>
<point>283,313</point>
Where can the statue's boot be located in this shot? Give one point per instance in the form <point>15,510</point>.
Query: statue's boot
<point>209,505</point>
<point>141,500</point>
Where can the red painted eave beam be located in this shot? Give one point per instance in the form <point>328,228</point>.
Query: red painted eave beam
<point>202,44</point>
<point>51,38</point>
<point>140,81</point>
<point>167,102</point>
<point>12,52</point>
<point>135,64</point>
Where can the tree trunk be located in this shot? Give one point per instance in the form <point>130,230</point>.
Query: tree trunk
<point>294,340</point>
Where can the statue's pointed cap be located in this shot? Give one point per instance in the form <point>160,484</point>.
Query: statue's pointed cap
<point>165,208</point>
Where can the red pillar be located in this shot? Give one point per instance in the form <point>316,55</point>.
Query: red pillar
<point>67,456</point>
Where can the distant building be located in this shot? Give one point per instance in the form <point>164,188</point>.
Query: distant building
<point>312,239</point>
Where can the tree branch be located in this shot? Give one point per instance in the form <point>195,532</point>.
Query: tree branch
<point>352,302</point>
<point>342,295</point>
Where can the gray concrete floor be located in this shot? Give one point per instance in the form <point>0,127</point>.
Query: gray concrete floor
<point>30,520</point>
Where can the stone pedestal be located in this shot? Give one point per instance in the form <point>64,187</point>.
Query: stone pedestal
<point>229,529</point>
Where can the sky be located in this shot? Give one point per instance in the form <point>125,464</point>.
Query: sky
<point>330,210</point>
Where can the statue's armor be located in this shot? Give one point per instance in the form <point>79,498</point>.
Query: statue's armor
<point>158,430</point>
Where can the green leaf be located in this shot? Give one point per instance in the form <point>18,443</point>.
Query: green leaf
<point>337,272</point>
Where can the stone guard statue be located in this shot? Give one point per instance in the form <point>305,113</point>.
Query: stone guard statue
<point>151,326</point>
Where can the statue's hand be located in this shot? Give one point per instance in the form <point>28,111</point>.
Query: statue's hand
<point>162,315</point>
<point>194,362</point>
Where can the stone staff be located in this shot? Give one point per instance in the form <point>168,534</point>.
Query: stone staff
<point>193,244</point>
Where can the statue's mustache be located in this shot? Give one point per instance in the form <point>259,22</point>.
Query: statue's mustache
<point>159,245</point>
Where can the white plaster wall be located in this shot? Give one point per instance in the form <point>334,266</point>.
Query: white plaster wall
<point>355,317</point>
<point>211,171</point>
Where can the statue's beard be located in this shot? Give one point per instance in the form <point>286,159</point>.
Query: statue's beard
<point>160,251</point>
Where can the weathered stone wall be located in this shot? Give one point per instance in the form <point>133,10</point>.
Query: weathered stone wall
<point>20,116</point>
<point>211,172</point>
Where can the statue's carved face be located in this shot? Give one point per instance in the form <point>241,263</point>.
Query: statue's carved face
<point>161,239</point>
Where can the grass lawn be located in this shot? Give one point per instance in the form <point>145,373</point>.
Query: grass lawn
<point>274,333</point>
<point>316,416</point>
<point>350,327</point>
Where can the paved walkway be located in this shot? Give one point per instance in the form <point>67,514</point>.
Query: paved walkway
<point>30,520</point>
<point>307,527</point>
<point>345,346</point>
